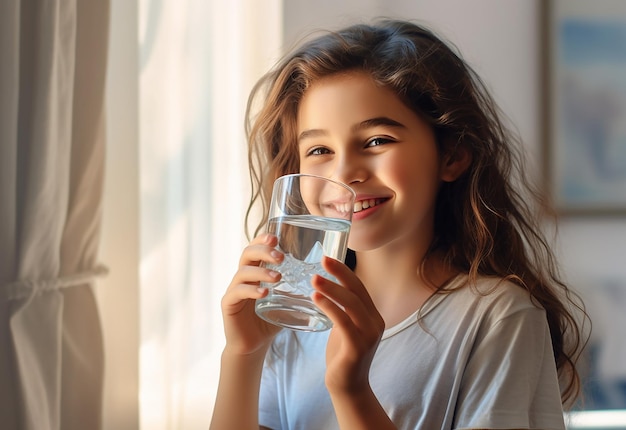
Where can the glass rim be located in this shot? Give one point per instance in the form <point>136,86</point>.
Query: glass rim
<point>310,175</point>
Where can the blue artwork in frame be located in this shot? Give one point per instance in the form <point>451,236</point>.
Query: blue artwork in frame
<point>587,142</point>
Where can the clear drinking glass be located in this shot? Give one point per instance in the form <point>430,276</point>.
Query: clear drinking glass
<point>311,216</point>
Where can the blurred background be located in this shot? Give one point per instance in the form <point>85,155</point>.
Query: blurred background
<point>179,73</point>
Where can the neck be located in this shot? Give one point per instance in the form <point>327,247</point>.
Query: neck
<point>397,280</point>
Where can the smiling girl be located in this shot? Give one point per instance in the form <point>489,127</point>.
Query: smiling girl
<point>450,313</point>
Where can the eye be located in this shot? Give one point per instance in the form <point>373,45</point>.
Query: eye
<point>377,141</point>
<point>319,150</point>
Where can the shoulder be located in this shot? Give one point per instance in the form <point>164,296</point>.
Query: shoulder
<point>491,297</point>
<point>489,290</point>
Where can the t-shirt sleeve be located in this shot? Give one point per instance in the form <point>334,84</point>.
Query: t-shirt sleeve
<point>510,380</point>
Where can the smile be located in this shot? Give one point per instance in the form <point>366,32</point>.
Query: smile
<point>366,204</point>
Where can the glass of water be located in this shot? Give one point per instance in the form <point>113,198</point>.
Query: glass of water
<point>311,216</point>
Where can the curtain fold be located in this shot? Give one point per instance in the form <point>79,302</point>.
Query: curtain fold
<point>51,159</point>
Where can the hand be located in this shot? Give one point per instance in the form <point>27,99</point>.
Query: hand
<point>246,333</point>
<point>357,328</point>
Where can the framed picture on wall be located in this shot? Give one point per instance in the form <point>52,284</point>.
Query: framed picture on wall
<point>585,96</point>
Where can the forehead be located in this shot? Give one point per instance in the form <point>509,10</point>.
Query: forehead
<point>348,98</point>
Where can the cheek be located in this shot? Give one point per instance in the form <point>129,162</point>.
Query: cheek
<point>319,169</point>
<point>313,170</point>
<point>400,171</point>
<point>416,180</point>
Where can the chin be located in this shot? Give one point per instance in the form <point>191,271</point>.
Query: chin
<point>363,245</point>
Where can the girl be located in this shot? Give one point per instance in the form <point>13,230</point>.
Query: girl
<point>451,314</point>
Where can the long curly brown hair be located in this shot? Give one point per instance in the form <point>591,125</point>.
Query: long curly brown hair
<point>489,221</point>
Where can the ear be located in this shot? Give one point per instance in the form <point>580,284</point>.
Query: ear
<point>455,162</point>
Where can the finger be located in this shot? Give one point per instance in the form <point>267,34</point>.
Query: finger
<point>346,277</point>
<point>361,313</point>
<point>239,296</point>
<point>261,249</point>
<point>332,310</point>
<point>361,330</point>
<point>241,292</point>
<point>347,301</point>
<point>254,275</point>
<point>266,238</point>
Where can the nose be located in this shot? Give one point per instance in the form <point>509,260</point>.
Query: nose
<point>350,169</point>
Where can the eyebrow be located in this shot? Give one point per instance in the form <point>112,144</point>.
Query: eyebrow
<point>368,123</point>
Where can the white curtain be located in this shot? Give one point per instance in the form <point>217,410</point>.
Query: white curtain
<point>52,77</point>
<point>199,60</point>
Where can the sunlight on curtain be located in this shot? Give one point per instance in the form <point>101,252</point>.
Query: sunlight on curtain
<point>199,60</point>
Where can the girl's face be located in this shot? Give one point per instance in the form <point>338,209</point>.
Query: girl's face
<point>353,131</point>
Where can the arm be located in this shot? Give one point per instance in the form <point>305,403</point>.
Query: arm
<point>237,402</point>
<point>247,339</point>
<point>352,343</point>
<point>360,410</point>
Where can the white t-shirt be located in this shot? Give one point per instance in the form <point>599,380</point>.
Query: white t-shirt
<point>479,358</point>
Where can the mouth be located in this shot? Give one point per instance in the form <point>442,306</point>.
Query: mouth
<point>366,204</point>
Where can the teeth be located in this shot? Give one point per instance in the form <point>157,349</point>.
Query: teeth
<point>343,208</point>
<point>365,204</point>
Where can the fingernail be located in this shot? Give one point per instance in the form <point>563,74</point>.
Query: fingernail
<point>274,274</point>
<point>276,254</point>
